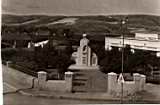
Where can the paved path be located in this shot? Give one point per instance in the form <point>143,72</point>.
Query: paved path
<point>152,92</point>
<point>7,88</point>
<point>10,84</point>
<point>18,99</point>
<point>154,89</point>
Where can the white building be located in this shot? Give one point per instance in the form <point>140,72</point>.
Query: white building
<point>42,43</point>
<point>141,41</point>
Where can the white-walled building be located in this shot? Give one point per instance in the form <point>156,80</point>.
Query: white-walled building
<point>147,36</point>
<point>42,43</point>
<point>141,41</point>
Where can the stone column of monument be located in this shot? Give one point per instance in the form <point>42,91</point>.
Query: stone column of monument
<point>89,56</point>
<point>84,51</point>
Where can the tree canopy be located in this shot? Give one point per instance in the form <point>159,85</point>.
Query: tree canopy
<point>140,61</point>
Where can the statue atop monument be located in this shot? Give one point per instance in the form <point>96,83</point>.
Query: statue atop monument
<point>84,57</point>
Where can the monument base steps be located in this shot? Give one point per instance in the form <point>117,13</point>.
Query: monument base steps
<point>89,81</point>
<point>79,81</point>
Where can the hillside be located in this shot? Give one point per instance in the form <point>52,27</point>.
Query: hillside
<point>88,24</point>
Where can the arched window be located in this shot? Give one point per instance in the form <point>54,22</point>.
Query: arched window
<point>85,48</point>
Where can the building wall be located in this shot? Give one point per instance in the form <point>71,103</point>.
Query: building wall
<point>146,36</point>
<point>152,45</point>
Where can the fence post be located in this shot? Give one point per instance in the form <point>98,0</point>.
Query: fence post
<point>8,63</point>
<point>69,80</point>
<point>42,77</point>
<point>112,82</point>
<point>142,82</point>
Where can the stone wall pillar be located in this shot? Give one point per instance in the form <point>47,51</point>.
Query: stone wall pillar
<point>89,57</point>
<point>68,80</point>
<point>42,78</point>
<point>8,63</point>
<point>137,78</point>
<point>142,82</point>
<point>112,82</point>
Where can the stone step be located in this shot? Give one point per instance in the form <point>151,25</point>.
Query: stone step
<point>79,74</point>
<point>79,89</point>
<point>79,83</point>
<point>83,78</point>
<point>80,80</point>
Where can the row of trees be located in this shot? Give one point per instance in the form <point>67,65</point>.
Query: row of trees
<point>33,31</point>
<point>110,61</point>
<point>140,61</point>
<point>52,57</point>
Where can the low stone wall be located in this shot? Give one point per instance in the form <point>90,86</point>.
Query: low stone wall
<point>41,82</point>
<point>55,85</point>
<point>129,87</point>
<point>114,87</point>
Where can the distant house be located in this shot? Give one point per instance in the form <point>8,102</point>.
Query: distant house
<point>42,43</point>
<point>58,44</point>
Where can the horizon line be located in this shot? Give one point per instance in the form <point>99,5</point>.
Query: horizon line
<point>85,14</point>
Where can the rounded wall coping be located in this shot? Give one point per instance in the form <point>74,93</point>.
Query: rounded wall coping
<point>136,74</point>
<point>112,73</point>
<point>142,75</point>
<point>42,72</point>
<point>69,72</point>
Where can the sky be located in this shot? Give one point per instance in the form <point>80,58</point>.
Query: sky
<point>81,7</point>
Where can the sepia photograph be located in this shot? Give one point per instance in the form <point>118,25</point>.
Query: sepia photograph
<point>80,52</point>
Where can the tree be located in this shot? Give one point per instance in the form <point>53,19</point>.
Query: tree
<point>99,49</point>
<point>111,61</point>
<point>48,56</point>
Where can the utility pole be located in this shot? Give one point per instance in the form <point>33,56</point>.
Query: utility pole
<point>123,22</point>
